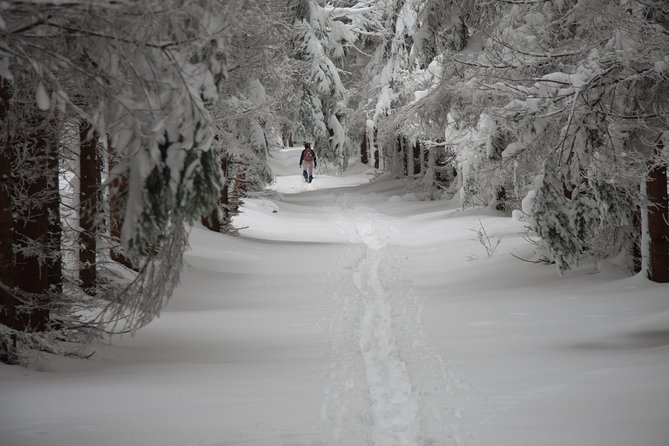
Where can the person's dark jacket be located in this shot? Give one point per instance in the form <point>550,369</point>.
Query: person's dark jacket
<point>302,157</point>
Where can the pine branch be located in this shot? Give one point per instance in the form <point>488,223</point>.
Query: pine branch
<point>524,2</point>
<point>110,37</point>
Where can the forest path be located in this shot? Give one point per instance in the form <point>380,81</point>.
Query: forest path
<point>382,368</point>
<point>387,386</point>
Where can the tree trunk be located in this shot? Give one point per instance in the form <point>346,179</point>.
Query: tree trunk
<point>417,163</point>
<point>425,158</point>
<point>211,221</point>
<point>637,256</point>
<point>403,153</point>
<point>31,223</point>
<point>658,220</point>
<point>55,256</point>
<point>364,156</point>
<point>377,155</point>
<point>7,299</point>
<point>401,157</point>
<point>225,204</point>
<point>118,197</point>
<point>500,198</point>
<point>88,212</point>
<point>225,194</point>
<point>240,181</point>
<point>408,156</point>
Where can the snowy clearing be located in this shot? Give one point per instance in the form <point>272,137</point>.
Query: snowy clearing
<point>347,314</point>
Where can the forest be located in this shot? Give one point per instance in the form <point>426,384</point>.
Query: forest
<point>125,122</point>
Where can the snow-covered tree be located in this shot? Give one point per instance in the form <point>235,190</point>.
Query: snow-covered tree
<point>590,117</point>
<point>323,36</point>
<point>411,97</point>
<point>147,76</point>
<point>251,115</point>
<point>562,101</point>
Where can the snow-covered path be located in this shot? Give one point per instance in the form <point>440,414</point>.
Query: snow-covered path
<point>392,407</point>
<point>348,313</point>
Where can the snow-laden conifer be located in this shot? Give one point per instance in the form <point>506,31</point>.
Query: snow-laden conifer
<point>323,35</point>
<point>146,80</point>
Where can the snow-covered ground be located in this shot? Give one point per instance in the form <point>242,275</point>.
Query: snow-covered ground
<point>348,314</point>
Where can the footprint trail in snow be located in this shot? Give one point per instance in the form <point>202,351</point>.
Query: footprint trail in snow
<point>377,353</point>
<point>394,411</point>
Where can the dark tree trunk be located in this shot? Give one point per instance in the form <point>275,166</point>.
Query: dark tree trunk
<point>225,204</point>
<point>211,221</point>
<point>658,221</point>
<point>225,194</point>
<point>500,199</point>
<point>402,154</point>
<point>426,156</point>
<point>214,221</point>
<point>31,223</point>
<point>55,257</point>
<point>636,241</point>
<point>7,299</point>
<point>377,155</point>
<point>89,185</point>
<point>236,188</point>
<point>364,155</point>
<point>417,166</point>
<point>118,197</point>
<point>406,154</point>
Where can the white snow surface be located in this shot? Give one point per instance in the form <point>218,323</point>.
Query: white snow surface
<point>346,314</point>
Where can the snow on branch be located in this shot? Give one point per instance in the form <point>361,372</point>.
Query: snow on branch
<point>360,8</point>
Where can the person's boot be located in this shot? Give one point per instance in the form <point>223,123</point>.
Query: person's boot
<point>311,177</point>
<point>304,174</point>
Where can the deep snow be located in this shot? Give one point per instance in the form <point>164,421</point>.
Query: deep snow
<point>347,313</point>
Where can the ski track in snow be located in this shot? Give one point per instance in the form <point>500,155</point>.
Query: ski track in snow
<point>382,370</point>
<point>394,409</point>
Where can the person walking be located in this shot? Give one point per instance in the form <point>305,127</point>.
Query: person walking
<point>308,162</point>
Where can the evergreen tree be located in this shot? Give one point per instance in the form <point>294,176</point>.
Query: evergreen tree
<point>323,36</point>
<point>148,78</point>
<point>596,104</point>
